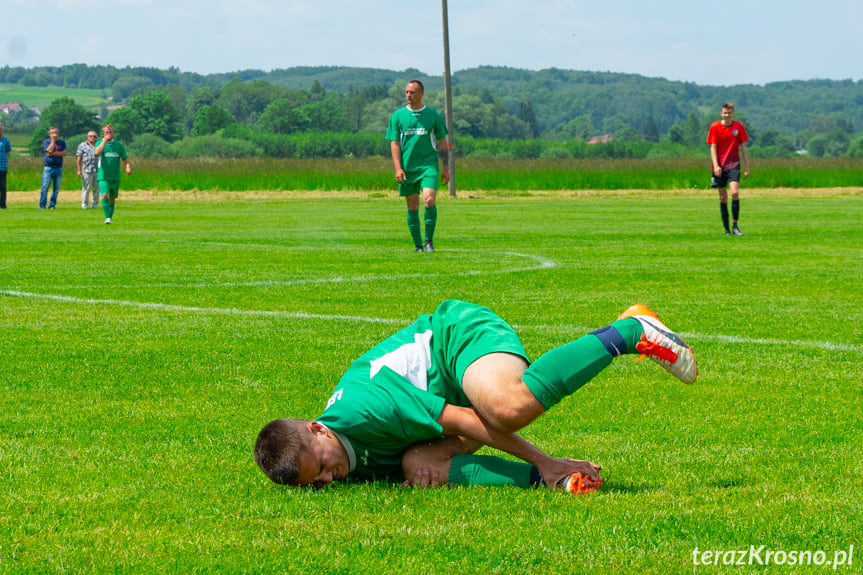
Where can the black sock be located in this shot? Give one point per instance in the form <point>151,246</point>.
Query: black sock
<point>535,477</point>
<point>723,208</point>
<point>735,210</point>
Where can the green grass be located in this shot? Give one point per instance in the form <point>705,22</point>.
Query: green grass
<point>41,97</point>
<point>139,361</point>
<point>504,177</point>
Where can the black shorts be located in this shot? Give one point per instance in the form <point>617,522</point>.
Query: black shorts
<point>729,175</point>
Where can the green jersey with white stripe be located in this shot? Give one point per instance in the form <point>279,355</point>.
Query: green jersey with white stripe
<point>417,132</point>
<point>391,397</point>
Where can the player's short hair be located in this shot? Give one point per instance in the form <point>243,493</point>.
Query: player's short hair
<point>728,106</point>
<point>278,449</point>
<point>418,83</point>
<point>108,126</point>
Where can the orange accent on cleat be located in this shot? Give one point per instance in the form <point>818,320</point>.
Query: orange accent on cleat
<point>578,484</point>
<point>637,309</point>
<point>662,345</point>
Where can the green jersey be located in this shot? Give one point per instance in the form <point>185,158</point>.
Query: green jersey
<point>391,397</point>
<point>417,132</point>
<point>109,161</point>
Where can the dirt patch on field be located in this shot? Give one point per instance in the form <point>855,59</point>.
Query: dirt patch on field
<point>73,197</point>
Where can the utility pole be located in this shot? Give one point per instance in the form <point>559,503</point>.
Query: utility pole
<point>447,83</point>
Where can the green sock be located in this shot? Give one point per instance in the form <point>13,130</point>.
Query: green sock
<point>489,470</point>
<point>414,227</point>
<point>106,207</point>
<point>111,209</point>
<point>430,221</point>
<point>563,370</point>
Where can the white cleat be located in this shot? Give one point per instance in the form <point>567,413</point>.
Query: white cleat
<point>663,345</point>
<point>108,221</point>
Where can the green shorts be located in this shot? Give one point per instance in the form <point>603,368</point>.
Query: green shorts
<point>112,188</point>
<point>463,333</point>
<point>418,180</point>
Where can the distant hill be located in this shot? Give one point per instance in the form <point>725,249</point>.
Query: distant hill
<point>557,96</point>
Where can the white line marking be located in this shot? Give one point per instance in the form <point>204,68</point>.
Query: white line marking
<point>828,345</point>
<point>542,263</point>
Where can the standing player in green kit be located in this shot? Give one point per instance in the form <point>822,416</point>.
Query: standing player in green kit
<point>420,404</point>
<point>110,153</point>
<point>417,137</point>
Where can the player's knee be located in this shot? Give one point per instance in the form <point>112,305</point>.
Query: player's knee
<point>508,418</point>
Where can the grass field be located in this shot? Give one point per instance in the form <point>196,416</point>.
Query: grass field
<point>140,360</point>
<point>505,177</point>
<point>40,97</point>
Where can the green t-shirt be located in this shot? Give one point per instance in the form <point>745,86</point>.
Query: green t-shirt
<point>391,397</point>
<point>417,132</point>
<point>109,161</point>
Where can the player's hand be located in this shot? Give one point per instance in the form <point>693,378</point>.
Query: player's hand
<point>423,478</point>
<point>555,470</point>
<point>128,170</point>
<point>400,176</point>
<point>717,171</point>
<point>746,174</point>
<point>444,175</point>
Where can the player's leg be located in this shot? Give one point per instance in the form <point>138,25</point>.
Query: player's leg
<point>412,202</point>
<point>113,194</point>
<point>452,460</point>
<point>104,195</point>
<point>429,192</point>
<point>723,209</point>
<point>509,394</point>
<point>734,186</point>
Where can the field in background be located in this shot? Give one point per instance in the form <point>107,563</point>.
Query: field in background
<point>40,97</point>
<point>140,359</point>
<point>507,177</point>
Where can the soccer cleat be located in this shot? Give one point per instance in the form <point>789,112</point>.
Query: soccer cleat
<point>736,231</point>
<point>108,220</point>
<point>578,484</point>
<point>428,247</point>
<point>662,345</point>
<point>418,249</point>
<point>727,232</point>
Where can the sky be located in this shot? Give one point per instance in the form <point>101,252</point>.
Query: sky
<point>708,43</point>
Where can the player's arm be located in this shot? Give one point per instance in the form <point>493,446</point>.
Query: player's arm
<point>443,154</point>
<point>467,422</point>
<point>128,166</point>
<point>396,151</point>
<point>714,157</point>
<point>745,155</point>
<point>99,147</point>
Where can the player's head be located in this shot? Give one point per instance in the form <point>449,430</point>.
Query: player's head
<point>727,112</point>
<point>107,129</point>
<point>414,93</point>
<point>300,452</point>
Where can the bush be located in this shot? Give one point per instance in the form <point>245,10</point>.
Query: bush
<point>556,153</point>
<point>152,146</point>
<point>215,146</point>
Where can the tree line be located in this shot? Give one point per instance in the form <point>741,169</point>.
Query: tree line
<point>498,112</point>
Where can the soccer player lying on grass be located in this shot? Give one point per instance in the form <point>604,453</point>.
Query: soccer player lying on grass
<point>423,401</point>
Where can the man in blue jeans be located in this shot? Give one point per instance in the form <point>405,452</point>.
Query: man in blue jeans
<point>5,152</point>
<point>52,174</point>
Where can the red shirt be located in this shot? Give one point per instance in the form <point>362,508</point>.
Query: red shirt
<point>728,140</point>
